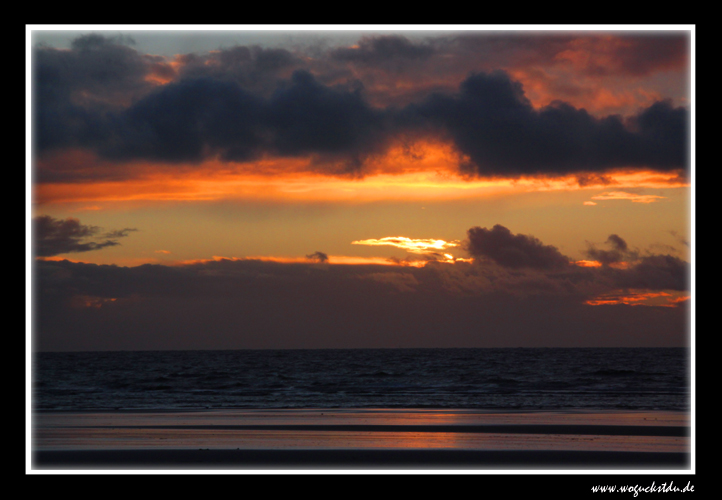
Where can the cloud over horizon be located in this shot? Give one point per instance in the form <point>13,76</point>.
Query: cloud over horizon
<point>319,302</point>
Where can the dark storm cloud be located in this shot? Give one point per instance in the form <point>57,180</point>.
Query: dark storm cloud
<point>180,121</point>
<point>491,120</point>
<point>103,67</point>
<point>513,250</point>
<point>662,134</point>
<point>88,97</point>
<point>242,103</point>
<point>73,88</point>
<point>192,119</point>
<point>183,120</point>
<point>310,117</point>
<point>55,236</point>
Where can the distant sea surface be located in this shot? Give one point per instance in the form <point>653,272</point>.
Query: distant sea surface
<point>495,379</point>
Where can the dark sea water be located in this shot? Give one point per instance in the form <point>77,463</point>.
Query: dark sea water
<point>496,379</point>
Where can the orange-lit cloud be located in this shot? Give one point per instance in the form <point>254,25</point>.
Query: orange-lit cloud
<point>637,54</point>
<point>588,263</point>
<point>679,300</point>
<point>595,263</point>
<point>635,198</point>
<point>427,174</point>
<point>600,95</point>
<point>641,298</point>
<point>164,71</point>
<point>57,258</point>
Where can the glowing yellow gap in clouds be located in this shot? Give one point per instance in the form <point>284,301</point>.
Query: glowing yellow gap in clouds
<point>410,244</point>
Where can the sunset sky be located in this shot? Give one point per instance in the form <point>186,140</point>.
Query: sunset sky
<point>305,188</point>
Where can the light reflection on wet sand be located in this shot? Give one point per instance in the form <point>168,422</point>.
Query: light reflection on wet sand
<point>205,430</point>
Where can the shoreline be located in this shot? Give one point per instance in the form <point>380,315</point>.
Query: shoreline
<point>368,438</point>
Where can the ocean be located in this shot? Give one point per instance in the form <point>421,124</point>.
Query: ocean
<point>516,379</point>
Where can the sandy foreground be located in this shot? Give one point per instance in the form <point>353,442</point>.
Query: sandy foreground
<point>361,439</point>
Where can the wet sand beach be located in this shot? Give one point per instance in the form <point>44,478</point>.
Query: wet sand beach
<point>361,439</point>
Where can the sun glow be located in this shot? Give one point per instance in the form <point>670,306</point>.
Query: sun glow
<point>410,244</point>
<point>423,171</point>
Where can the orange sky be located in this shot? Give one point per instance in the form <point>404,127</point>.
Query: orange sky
<point>382,151</point>
<point>430,174</point>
